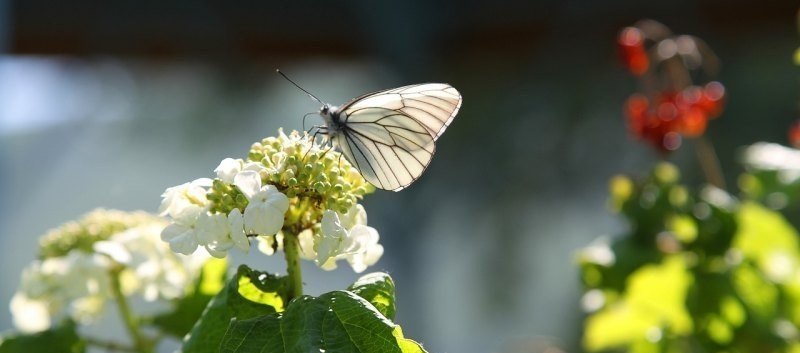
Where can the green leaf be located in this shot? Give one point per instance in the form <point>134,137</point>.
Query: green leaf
<point>339,321</point>
<point>763,233</point>
<point>248,294</point>
<point>378,289</point>
<point>188,309</point>
<point>61,339</point>
<point>653,301</point>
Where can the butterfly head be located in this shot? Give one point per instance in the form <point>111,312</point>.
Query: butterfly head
<point>331,116</point>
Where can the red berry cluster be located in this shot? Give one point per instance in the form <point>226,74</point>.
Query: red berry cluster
<point>672,108</point>
<point>665,119</point>
<point>632,51</point>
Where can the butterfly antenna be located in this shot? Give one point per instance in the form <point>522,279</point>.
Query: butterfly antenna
<point>298,86</point>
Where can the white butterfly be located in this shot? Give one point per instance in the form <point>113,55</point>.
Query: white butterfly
<point>389,136</point>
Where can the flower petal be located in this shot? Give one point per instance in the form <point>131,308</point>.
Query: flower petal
<point>236,228</point>
<point>30,315</point>
<point>181,239</point>
<point>248,182</point>
<point>114,250</point>
<point>212,227</point>
<point>228,169</point>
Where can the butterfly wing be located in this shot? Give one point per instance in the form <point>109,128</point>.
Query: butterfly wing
<point>389,135</point>
<point>434,105</point>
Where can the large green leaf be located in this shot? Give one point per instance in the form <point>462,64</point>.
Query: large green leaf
<point>339,321</point>
<point>248,294</point>
<point>188,309</point>
<point>61,339</point>
<point>378,289</point>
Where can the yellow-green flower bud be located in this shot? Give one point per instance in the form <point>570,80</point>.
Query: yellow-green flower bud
<point>302,170</point>
<point>95,226</point>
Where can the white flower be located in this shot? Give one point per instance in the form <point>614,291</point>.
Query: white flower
<point>598,252</point>
<point>228,169</point>
<point>61,286</point>
<point>184,203</point>
<point>114,250</point>
<point>367,240</point>
<point>264,214</point>
<point>29,315</point>
<point>184,198</point>
<point>237,233</point>
<point>181,234</point>
<point>79,284</point>
<point>772,156</point>
<point>214,233</point>
<point>154,270</point>
<point>355,215</point>
<point>332,238</point>
<point>253,166</point>
<point>347,237</point>
<point>248,182</point>
<point>277,163</point>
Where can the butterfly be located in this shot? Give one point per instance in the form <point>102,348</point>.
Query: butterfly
<point>390,135</point>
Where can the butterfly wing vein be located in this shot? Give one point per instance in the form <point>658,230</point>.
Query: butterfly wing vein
<point>389,136</point>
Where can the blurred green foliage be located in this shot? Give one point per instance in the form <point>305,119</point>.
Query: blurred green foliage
<point>697,272</point>
<point>187,310</point>
<point>62,338</point>
<point>773,188</point>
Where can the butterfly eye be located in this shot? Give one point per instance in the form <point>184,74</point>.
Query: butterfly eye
<point>324,109</point>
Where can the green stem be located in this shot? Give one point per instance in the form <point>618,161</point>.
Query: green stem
<point>141,343</point>
<point>291,248</point>
<point>108,345</point>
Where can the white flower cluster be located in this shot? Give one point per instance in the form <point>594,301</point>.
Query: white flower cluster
<point>340,237</point>
<point>293,185</point>
<point>78,284</point>
<point>195,224</point>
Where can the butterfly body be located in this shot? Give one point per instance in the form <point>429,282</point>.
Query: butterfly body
<point>332,117</point>
<point>390,135</point>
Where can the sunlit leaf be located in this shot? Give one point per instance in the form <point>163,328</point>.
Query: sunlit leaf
<point>248,294</point>
<point>339,321</point>
<point>378,289</point>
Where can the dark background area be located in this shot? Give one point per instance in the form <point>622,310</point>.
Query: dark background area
<point>106,103</point>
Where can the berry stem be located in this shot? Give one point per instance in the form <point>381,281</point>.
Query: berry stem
<point>291,248</point>
<point>709,162</point>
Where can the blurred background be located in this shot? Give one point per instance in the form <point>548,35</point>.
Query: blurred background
<point>107,103</point>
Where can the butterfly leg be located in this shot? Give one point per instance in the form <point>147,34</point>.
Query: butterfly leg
<point>319,130</point>
<point>327,150</point>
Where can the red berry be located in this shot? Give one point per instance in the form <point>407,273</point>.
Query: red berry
<point>794,134</point>
<point>712,99</point>
<point>636,111</point>
<point>632,51</point>
<point>693,122</point>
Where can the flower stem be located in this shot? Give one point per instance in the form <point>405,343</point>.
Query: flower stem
<point>709,162</point>
<point>108,345</point>
<point>140,342</point>
<point>291,248</point>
